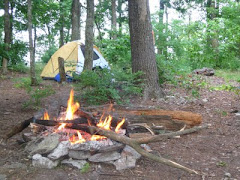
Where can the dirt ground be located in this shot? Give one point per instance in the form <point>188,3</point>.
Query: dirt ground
<point>214,152</point>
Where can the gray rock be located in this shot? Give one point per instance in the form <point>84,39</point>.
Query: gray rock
<point>39,161</point>
<point>227,175</point>
<point>131,152</point>
<point>75,163</point>
<point>106,156</point>
<point>91,145</point>
<point>60,151</point>
<point>125,162</point>
<point>43,144</point>
<point>81,155</point>
<point>3,177</point>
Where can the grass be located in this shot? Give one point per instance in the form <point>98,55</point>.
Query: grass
<point>228,75</point>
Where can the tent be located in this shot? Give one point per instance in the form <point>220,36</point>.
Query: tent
<point>73,55</point>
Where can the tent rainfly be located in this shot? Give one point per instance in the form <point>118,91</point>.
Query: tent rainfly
<point>73,54</point>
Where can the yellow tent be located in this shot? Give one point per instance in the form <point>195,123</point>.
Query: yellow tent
<point>73,55</point>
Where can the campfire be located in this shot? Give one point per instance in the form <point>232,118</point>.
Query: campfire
<point>78,136</point>
<point>74,142</point>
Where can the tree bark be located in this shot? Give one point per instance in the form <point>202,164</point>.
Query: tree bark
<point>31,49</point>
<point>61,69</point>
<point>7,36</point>
<point>75,20</point>
<point>142,48</point>
<point>114,20</point>
<point>89,36</point>
<point>61,24</point>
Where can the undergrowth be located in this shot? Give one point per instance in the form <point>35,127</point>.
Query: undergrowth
<point>103,85</point>
<point>36,93</point>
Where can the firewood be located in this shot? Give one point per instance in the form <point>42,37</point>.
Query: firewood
<point>189,118</point>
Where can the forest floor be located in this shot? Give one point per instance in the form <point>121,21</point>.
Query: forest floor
<point>215,152</point>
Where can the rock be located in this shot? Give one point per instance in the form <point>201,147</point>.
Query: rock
<point>39,161</point>
<point>205,100</point>
<point>146,148</point>
<point>3,177</point>
<point>43,144</point>
<point>227,175</point>
<point>105,156</point>
<point>131,152</point>
<point>125,162</point>
<point>81,155</point>
<point>91,145</point>
<point>237,114</point>
<point>204,71</point>
<point>129,157</point>
<point>75,163</point>
<point>60,151</point>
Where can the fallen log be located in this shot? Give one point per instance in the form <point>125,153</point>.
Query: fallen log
<point>142,115</point>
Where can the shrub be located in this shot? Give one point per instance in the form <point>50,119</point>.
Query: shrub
<point>101,86</point>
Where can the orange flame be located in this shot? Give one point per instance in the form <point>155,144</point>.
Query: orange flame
<point>106,124</point>
<point>62,126</point>
<point>78,139</point>
<point>72,107</point>
<point>119,125</point>
<point>97,137</point>
<point>45,116</point>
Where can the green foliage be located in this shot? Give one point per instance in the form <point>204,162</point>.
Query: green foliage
<point>221,164</point>
<point>48,53</point>
<point>36,93</point>
<point>16,53</point>
<point>117,52</point>
<point>101,86</point>
<point>19,67</point>
<point>86,168</point>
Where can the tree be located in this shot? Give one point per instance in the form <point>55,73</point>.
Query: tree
<point>89,36</point>
<point>31,49</point>
<point>61,24</point>
<point>114,20</point>
<point>142,48</point>
<point>7,32</point>
<point>75,20</point>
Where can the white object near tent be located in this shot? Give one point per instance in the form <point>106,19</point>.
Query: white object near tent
<point>73,55</point>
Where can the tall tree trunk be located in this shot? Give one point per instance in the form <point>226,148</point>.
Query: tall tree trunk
<point>142,48</point>
<point>161,40</point>
<point>114,20</point>
<point>7,36</point>
<point>61,24</point>
<point>31,49</point>
<point>119,9</point>
<point>212,13</point>
<point>89,36</point>
<point>34,41</point>
<point>75,20</point>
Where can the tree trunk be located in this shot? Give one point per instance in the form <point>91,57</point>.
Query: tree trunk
<point>114,20</point>
<point>61,24</point>
<point>75,20</point>
<point>89,36</point>
<point>212,13</point>
<point>161,40</point>
<point>119,9</point>
<point>142,48</point>
<point>7,36</point>
<point>31,50</point>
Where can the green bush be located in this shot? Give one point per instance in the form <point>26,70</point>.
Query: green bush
<point>101,86</point>
<point>48,53</point>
